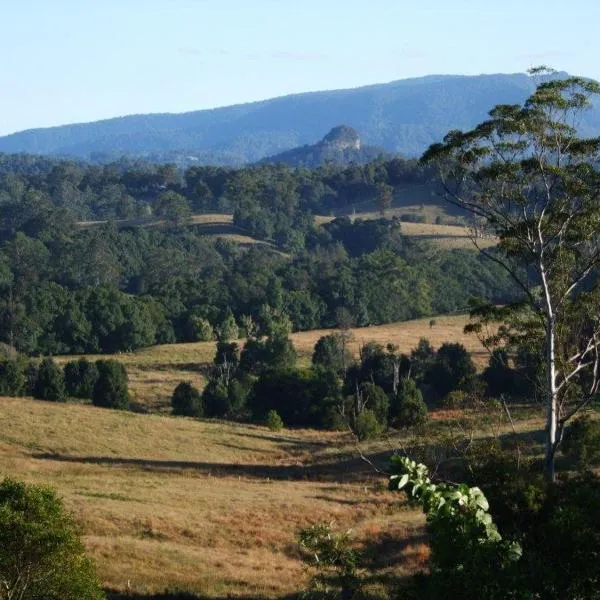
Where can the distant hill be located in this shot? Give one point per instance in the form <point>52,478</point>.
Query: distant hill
<point>401,117</point>
<point>341,146</point>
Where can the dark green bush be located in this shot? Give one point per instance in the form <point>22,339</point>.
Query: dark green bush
<point>13,381</point>
<point>42,556</point>
<point>80,377</point>
<point>273,421</point>
<point>110,390</point>
<point>408,408</point>
<point>367,426</point>
<point>187,401</point>
<point>582,442</point>
<point>50,382</point>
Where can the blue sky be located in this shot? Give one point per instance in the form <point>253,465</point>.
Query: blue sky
<point>66,61</point>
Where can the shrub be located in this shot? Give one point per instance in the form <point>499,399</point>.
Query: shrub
<point>215,399</point>
<point>582,442</point>
<point>408,408</point>
<point>50,382</point>
<point>331,352</point>
<point>12,378</point>
<point>110,390</point>
<point>273,421</point>
<point>334,561</point>
<point>80,377</point>
<point>41,552</point>
<point>452,369</point>
<point>367,426</point>
<point>187,401</point>
<point>455,399</point>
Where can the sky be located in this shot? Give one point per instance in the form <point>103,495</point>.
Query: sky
<point>68,61</point>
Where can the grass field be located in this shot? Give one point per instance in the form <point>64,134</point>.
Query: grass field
<point>155,372</point>
<point>208,507</point>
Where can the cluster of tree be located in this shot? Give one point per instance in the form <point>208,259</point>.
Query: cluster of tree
<point>104,382</point>
<point>379,390</point>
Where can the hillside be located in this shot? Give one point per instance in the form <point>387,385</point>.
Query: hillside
<point>403,116</point>
<point>208,507</point>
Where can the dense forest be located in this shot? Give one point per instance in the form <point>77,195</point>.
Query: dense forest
<point>70,287</point>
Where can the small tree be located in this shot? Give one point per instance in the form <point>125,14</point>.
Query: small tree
<point>50,382</point>
<point>41,553</point>
<point>187,401</point>
<point>452,369</point>
<point>331,351</point>
<point>80,377</point>
<point>228,329</point>
<point>273,421</point>
<point>408,408</point>
<point>110,390</point>
<point>12,378</point>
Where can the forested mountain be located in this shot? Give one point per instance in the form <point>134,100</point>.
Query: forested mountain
<point>403,117</point>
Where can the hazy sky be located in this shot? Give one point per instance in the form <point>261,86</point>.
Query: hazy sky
<point>66,61</point>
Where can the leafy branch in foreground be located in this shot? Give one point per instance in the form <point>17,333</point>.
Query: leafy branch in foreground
<point>465,542</point>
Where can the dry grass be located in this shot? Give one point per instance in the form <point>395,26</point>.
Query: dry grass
<point>201,506</point>
<point>405,335</point>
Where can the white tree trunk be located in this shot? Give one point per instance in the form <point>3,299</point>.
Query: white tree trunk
<point>552,400</point>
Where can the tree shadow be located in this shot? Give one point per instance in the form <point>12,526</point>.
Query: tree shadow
<point>347,470</point>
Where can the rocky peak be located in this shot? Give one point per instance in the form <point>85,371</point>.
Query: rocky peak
<point>342,137</point>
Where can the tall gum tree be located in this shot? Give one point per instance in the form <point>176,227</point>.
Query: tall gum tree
<point>527,176</point>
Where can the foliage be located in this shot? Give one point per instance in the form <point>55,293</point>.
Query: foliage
<point>468,554</point>
<point>452,369</point>
<point>41,552</point>
<point>50,382</point>
<point>332,352</point>
<point>13,381</point>
<point>110,389</point>
<point>582,442</point>
<point>407,408</point>
<point>335,562</point>
<point>273,421</point>
<point>187,401</point>
<point>366,425</point>
<point>80,377</point>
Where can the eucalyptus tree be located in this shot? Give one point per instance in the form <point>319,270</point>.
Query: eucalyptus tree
<point>528,177</point>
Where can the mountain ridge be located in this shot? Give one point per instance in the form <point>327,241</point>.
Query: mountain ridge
<point>403,116</point>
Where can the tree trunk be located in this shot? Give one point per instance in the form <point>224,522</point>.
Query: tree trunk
<point>551,392</point>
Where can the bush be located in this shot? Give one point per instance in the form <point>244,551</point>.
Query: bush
<point>215,399</point>
<point>80,377</point>
<point>452,369</point>
<point>187,401</point>
<point>273,421</point>
<point>408,408</point>
<point>13,381</point>
<point>582,442</point>
<point>110,390</point>
<point>50,382</point>
<point>456,399</point>
<point>367,425</point>
<point>41,553</point>
<point>331,352</point>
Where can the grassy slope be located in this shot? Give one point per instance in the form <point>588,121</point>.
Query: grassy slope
<point>202,506</point>
<point>155,372</point>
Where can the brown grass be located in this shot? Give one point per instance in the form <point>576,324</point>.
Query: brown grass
<point>208,507</point>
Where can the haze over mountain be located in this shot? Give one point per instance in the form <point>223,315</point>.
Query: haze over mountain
<point>403,116</point>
